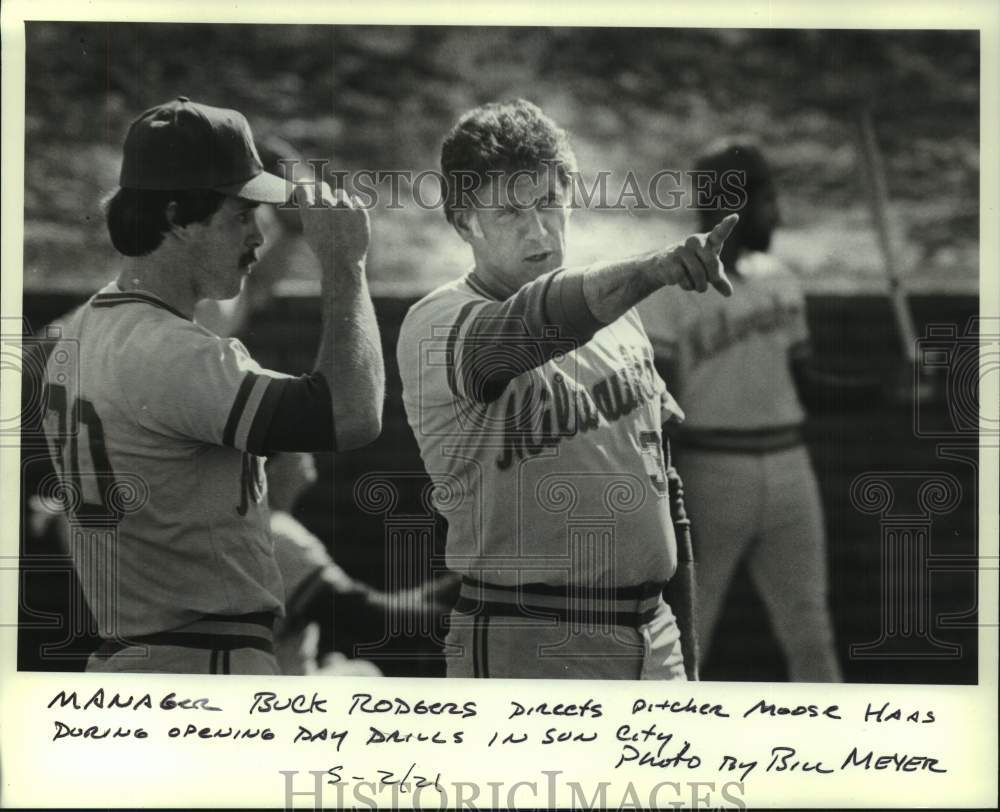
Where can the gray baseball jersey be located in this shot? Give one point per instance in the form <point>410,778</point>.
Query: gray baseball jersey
<point>559,478</point>
<point>164,413</point>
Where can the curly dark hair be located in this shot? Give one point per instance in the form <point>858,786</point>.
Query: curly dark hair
<point>500,138</point>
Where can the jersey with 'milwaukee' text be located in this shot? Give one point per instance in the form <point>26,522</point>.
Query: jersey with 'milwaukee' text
<point>731,353</point>
<point>555,475</point>
<point>155,432</point>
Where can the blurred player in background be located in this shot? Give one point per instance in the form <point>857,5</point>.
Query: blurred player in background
<point>531,391</point>
<point>741,369</point>
<point>324,606</point>
<point>165,415</point>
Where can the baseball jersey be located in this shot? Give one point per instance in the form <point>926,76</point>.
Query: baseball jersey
<point>153,431</point>
<point>555,475</point>
<point>731,354</point>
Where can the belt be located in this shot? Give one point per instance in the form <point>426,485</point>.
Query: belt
<point>222,632</point>
<point>631,606</point>
<point>752,441</point>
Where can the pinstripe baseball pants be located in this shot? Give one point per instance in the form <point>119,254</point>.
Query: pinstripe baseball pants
<point>211,645</point>
<point>549,632</point>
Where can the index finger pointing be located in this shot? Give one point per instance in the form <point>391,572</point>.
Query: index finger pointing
<point>717,236</point>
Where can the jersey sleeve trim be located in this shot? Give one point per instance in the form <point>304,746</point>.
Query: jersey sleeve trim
<point>261,424</point>
<point>251,413</point>
<point>229,434</point>
<point>301,418</point>
<point>504,339</point>
<point>566,304</point>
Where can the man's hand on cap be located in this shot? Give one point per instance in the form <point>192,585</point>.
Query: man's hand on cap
<point>335,226</point>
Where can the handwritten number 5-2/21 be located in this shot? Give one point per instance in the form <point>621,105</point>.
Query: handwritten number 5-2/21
<point>406,782</point>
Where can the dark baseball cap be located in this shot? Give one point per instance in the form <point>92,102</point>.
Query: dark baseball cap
<point>186,145</point>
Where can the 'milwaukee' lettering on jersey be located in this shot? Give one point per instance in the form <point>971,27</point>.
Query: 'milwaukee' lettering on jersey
<point>566,408</point>
<point>710,337</point>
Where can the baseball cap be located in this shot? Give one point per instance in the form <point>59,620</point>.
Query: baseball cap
<point>186,145</point>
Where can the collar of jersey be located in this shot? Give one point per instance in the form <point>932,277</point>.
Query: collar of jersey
<point>112,296</point>
<point>476,282</point>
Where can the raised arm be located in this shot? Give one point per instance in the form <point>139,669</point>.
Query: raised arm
<point>350,352</point>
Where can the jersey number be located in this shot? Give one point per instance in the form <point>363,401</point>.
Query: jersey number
<point>652,458</point>
<point>74,460</point>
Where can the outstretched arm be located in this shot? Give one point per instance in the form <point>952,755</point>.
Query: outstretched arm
<point>497,341</point>
<point>613,288</point>
<point>349,611</point>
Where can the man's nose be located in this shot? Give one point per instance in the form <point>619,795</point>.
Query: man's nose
<point>256,236</point>
<point>534,223</point>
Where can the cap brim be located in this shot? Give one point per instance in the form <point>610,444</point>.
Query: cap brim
<point>263,188</point>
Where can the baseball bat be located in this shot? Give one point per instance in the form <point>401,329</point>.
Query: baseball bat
<point>878,200</point>
<point>683,595</point>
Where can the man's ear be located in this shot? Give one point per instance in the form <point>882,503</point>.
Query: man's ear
<point>171,215</point>
<point>466,222</point>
